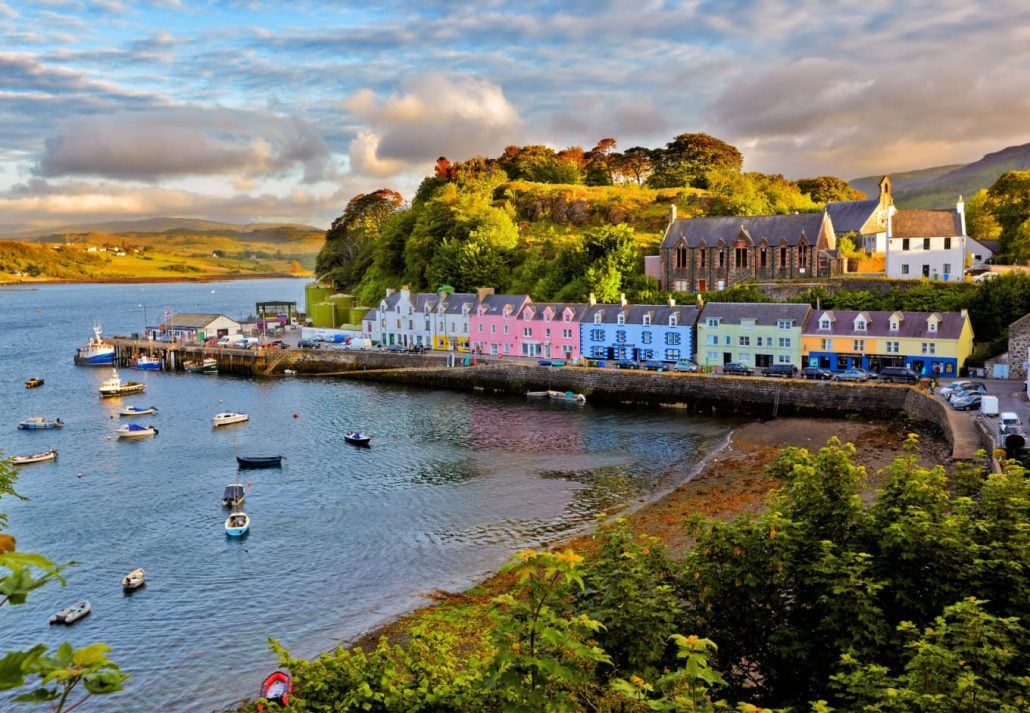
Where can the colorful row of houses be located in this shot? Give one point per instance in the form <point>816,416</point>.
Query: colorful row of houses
<point>757,334</point>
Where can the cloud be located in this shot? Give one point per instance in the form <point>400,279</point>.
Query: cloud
<point>436,116</point>
<point>184,141</point>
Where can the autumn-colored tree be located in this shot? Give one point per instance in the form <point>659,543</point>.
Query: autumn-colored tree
<point>829,189</point>
<point>635,163</point>
<point>735,193</point>
<point>689,158</point>
<point>601,162</point>
<point>442,169</point>
<point>980,222</point>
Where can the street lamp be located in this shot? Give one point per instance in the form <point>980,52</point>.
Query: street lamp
<point>144,319</point>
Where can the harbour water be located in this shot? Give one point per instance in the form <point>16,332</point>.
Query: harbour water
<point>342,538</point>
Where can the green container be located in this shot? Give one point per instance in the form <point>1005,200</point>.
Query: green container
<point>322,315</point>
<point>342,301</point>
<point>315,292</point>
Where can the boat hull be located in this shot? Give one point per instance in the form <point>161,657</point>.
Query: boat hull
<point>137,433</point>
<point>131,411</point>
<point>357,440</point>
<point>237,524</point>
<point>147,364</point>
<point>259,462</point>
<point>94,358</point>
<point>123,390</point>
<point>35,458</point>
<point>72,614</point>
<point>134,580</point>
<point>40,425</point>
<point>227,419</point>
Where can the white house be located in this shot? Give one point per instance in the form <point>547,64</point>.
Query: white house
<point>931,244</point>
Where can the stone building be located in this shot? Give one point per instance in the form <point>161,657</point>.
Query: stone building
<point>1019,348</point>
<point>866,220</point>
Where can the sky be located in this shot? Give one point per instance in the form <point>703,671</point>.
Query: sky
<point>255,111</point>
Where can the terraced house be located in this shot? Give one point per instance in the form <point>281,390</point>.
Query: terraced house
<point>930,343</point>
<point>550,330</point>
<point>755,334</point>
<point>636,332</point>
<point>495,324</point>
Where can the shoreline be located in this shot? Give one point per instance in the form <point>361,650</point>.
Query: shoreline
<point>729,482</point>
<point>156,280</point>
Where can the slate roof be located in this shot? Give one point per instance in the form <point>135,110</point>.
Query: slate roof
<point>371,315</point>
<point>191,320</point>
<point>453,302</point>
<point>879,322</point>
<point>494,304</point>
<point>850,216</point>
<point>925,224</point>
<point>771,228</point>
<point>558,307</point>
<point>686,315</point>
<point>765,314</point>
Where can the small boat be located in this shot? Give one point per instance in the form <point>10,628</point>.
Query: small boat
<point>72,614</point>
<point>233,496</point>
<point>114,386</point>
<point>33,382</point>
<point>147,363</point>
<point>228,417</point>
<point>237,524</point>
<point>289,372</point>
<point>35,457</point>
<point>538,394</point>
<point>36,423</point>
<point>97,352</point>
<point>137,410</point>
<point>134,579</point>
<point>276,688</point>
<point>208,365</point>
<point>134,430</point>
<point>567,396</point>
<point>357,438</point>
<point>259,461</point>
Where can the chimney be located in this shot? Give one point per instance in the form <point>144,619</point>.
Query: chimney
<point>672,301</point>
<point>483,292</point>
<point>593,300</point>
<point>672,212</point>
<point>960,208</point>
<point>622,299</point>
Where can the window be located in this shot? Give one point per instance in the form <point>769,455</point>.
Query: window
<point>681,256</point>
<point>893,347</point>
<point>479,327</point>
<point>783,256</point>
<point>762,258</point>
<point>740,258</point>
<point>621,319</point>
<point>784,323</point>
<point>506,329</point>
<point>931,326</point>
<point>493,329</point>
<point>860,325</point>
<point>645,337</point>
<point>672,338</point>
<point>947,268</point>
<point>728,341</point>
<point>929,347</point>
<point>825,323</point>
<point>784,342</point>
<point>904,243</point>
<point>647,320</point>
<point>620,336</point>
<point>547,333</point>
<point>566,333</point>
<point>712,322</point>
<point>711,356</point>
<point>598,352</point>
<point>597,318</point>
<point>904,269</point>
<point>702,253</point>
<point>926,243</point>
<point>802,257</point>
<point>744,341</point>
<point>858,345</point>
<point>681,286</point>
<point>527,331</point>
<point>759,341</point>
<point>895,325</point>
<point>506,347</point>
<point>747,324</point>
<point>712,340</point>
<point>426,328</point>
<point>826,344</point>
<point>672,354</point>
<point>673,321</point>
<point>597,335</point>
<point>947,245</point>
<point>722,258</point>
<point>783,359</point>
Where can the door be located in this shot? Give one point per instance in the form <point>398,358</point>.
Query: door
<point>727,357</point>
<point>702,285</point>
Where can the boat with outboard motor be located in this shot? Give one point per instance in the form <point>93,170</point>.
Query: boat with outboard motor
<point>237,524</point>
<point>136,410</point>
<point>134,430</point>
<point>227,418</point>
<point>97,352</point>
<point>276,688</point>
<point>70,615</point>
<point>33,382</point>
<point>35,457</point>
<point>36,423</point>
<point>208,365</point>
<point>357,438</point>
<point>134,579</point>
<point>114,386</point>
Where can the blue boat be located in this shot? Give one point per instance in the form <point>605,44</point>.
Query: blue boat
<point>97,352</point>
<point>38,422</point>
<point>237,524</point>
<point>147,363</point>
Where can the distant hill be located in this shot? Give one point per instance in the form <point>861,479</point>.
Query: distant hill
<point>176,226</point>
<point>940,187</point>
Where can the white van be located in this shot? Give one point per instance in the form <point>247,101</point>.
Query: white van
<point>1009,422</point>
<point>246,342</point>
<point>989,405</point>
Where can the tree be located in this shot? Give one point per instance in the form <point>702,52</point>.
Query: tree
<point>689,158</point>
<point>829,189</point>
<point>735,193</point>
<point>361,223</point>
<point>1008,200</point>
<point>636,163</point>
<point>601,162</point>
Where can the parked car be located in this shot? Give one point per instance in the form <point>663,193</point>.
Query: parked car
<point>653,365</point>
<point>786,371</point>
<point>898,375</point>
<point>735,368</point>
<point>685,365</point>
<point>969,390</point>
<point>957,385</point>
<point>817,373</point>
<point>626,364</point>
<point>860,375</point>
<point>307,344</point>
<point>967,402</point>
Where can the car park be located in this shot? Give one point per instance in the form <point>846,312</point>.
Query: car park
<point>968,402</point>
<point>898,375</point>
<point>653,365</point>
<point>859,375</point>
<point>685,365</point>
<point>816,373</point>
<point>626,364</point>
<point>735,368</point>
<point>785,371</point>
<point>957,385</point>
<point>978,389</point>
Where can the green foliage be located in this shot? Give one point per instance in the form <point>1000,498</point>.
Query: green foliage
<point>1008,200</point>
<point>980,222</point>
<point>688,160</point>
<point>353,234</point>
<point>827,189</point>
<point>740,292</point>
<point>735,193</point>
<point>998,303</point>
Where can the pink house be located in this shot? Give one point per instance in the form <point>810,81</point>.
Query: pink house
<point>550,330</point>
<point>494,324</point>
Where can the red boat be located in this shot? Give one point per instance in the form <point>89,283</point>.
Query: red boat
<point>276,689</point>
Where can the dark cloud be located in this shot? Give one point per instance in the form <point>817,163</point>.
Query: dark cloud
<point>189,141</point>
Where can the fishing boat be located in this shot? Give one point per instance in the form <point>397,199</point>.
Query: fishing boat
<point>114,386</point>
<point>237,524</point>
<point>97,352</point>
<point>208,365</point>
<point>72,614</point>
<point>35,457</point>
<point>357,438</point>
<point>276,688</point>
<point>228,417</point>
<point>259,461</point>
<point>134,430</point>
<point>33,382</point>
<point>36,423</point>
<point>134,579</point>
<point>137,410</point>
<point>233,496</point>
<point>146,362</point>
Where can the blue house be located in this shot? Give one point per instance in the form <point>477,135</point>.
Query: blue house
<point>637,332</point>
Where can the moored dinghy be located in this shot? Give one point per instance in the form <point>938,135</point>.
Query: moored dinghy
<point>72,614</point>
<point>134,430</point>
<point>134,579</point>
<point>227,418</point>
<point>357,438</point>
<point>33,382</point>
<point>233,495</point>
<point>276,688</point>
<point>37,423</point>
<point>137,410</point>
<point>35,457</point>
<point>259,461</point>
<point>237,524</point>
